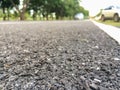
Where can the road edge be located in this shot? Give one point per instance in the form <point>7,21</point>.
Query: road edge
<point>112,31</point>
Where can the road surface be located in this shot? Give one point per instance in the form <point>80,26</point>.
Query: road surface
<point>57,55</point>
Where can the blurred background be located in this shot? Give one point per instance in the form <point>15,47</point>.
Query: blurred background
<point>94,6</point>
<point>41,9</point>
<point>52,9</point>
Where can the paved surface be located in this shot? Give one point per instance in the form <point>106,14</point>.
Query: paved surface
<point>114,32</point>
<point>57,55</point>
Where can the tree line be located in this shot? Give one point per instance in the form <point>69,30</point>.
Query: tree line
<point>45,8</point>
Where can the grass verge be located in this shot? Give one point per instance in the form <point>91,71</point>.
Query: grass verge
<point>110,22</point>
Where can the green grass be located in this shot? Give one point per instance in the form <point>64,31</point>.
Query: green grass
<point>110,22</point>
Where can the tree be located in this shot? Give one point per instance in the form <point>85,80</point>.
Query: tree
<point>6,5</point>
<point>36,5</point>
<point>3,6</point>
<point>85,12</point>
<point>21,11</point>
<point>59,9</point>
<point>45,7</point>
<point>55,6</point>
<point>62,8</point>
<point>67,8</point>
<point>72,7</point>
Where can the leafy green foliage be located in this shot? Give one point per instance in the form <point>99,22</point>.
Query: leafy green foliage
<point>6,4</point>
<point>61,8</point>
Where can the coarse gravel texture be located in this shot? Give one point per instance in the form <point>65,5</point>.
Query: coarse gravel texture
<point>57,55</point>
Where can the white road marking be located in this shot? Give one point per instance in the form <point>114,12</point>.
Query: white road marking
<point>112,31</point>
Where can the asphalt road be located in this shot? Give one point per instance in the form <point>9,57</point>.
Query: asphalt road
<point>112,31</point>
<point>57,55</point>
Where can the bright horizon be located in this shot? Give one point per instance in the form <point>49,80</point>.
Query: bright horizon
<point>94,6</point>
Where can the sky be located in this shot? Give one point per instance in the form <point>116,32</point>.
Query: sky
<point>94,6</point>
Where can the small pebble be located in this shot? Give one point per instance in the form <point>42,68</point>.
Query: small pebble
<point>116,59</point>
<point>3,76</point>
<point>97,80</point>
<point>94,86</point>
<point>118,74</point>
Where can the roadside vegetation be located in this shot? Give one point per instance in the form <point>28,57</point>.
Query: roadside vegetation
<point>40,9</point>
<point>110,22</point>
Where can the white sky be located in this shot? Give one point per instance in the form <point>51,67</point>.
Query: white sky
<point>94,6</point>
